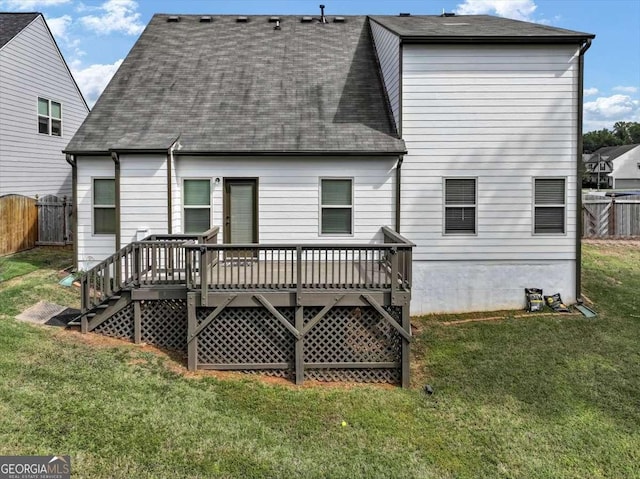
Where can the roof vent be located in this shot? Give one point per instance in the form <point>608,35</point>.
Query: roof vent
<point>338,20</point>
<point>274,19</point>
<point>448,14</point>
<point>323,19</point>
<point>404,14</point>
<point>306,19</point>
<point>242,19</point>
<point>205,19</point>
<point>173,19</point>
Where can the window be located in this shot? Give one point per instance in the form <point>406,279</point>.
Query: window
<point>549,205</point>
<point>49,117</point>
<point>336,205</point>
<point>104,206</point>
<point>197,205</point>
<point>460,206</point>
<point>603,166</point>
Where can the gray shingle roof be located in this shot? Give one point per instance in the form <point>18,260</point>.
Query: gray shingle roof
<point>236,87</point>
<point>475,27</point>
<point>12,23</point>
<point>612,152</point>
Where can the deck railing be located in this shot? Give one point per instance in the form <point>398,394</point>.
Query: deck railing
<point>198,262</point>
<point>385,266</point>
<point>158,259</point>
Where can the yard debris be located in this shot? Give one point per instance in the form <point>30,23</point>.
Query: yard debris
<point>535,302</point>
<point>555,302</point>
<point>428,389</point>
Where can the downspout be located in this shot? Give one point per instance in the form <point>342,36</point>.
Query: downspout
<point>579,215</point>
<point>398,191</point>
<point>116,160</point>
<point>170,160</point>
<point>74,205</point>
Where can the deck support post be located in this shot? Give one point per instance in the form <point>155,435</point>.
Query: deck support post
<point>406,349</point>
<point>137,323</point>
<point>192,324</point>
<point>299,352</point>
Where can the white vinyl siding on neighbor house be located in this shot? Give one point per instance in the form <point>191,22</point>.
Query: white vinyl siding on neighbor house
<point>388,51</point>
<point>626,169</point>
<point>30,68</point>
<point>503,114</point>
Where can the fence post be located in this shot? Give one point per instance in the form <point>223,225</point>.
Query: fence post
<point>204,276</point>
<point>299,275</point>
<point>137,323</point>
<point>612,216</point>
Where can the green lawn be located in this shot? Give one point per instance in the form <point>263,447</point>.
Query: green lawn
<point>545,397</point>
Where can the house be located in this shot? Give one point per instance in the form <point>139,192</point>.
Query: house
<point>596,171</point>
<point>625,160</point>
<point>364,162</point>
<point>42,108</point>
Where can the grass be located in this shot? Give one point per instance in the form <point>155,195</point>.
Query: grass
<point>538,397</point>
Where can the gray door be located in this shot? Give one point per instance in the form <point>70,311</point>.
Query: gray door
<point>241,211</point>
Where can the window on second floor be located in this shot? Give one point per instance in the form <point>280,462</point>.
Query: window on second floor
<point>49,117</point>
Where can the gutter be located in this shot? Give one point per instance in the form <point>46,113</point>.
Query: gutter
<point>116,159</point>
<point>585,46</point>
<point>74,205</point>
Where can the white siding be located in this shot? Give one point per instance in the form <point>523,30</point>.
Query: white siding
<point>501,114</point>
<point>626,169</point>
<point>30,67</point>
<point>143,195</point>
<point>288,193</point>
<point>92,248</point>
<point>388,50</point>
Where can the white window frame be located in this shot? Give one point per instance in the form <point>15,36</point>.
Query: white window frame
<point>94,206</point>
<point>183,206</point>
<point>49,117</point>
<point>322,207</point>
<point>534,206</point>
<point>445,206</point>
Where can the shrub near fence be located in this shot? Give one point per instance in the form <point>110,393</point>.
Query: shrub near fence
<point>18,223</point>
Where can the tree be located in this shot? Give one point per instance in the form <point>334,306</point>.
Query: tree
<point>594,140</point>
<point>627,131</point>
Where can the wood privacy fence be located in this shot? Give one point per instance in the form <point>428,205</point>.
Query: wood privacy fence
<point>26,222</point>
<point>18,223</point>
<point>55,223</point>
<point>610,216</point>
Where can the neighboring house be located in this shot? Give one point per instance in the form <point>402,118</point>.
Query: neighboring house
<point>41,108</point>
<point>625,161</point>
<point>596,171</point>
<point>460,132</point>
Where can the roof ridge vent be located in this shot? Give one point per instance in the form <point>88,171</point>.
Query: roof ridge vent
<point>242,19</point>
<point>447,14</point>
<point>404,14</point>
<point>173,19</point>
<point>205,19</point>
<point>274,19</point>
<point>338,20</point>
<point>306,19</point>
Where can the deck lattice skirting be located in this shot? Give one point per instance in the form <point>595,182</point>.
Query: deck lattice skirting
<point>339,331</point>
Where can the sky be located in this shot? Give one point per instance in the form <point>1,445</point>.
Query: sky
<point>96,35</point>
